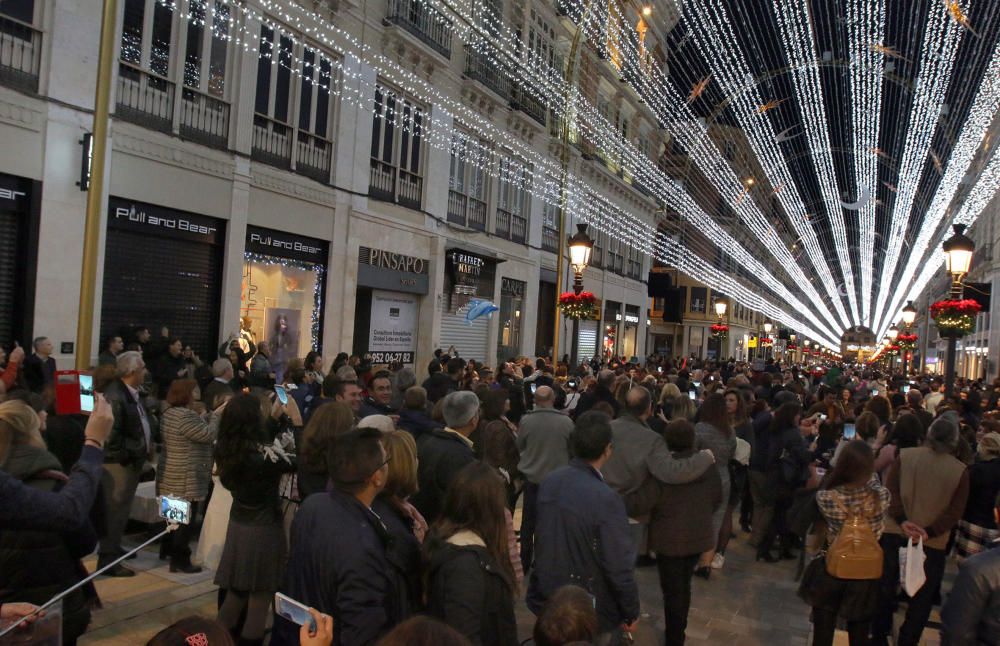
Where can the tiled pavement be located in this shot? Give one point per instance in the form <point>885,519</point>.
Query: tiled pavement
<point>745,604</point>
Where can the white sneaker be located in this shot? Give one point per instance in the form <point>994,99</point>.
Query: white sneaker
<point>718,561</point>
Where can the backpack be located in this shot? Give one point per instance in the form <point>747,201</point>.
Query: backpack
<point>855,554</point>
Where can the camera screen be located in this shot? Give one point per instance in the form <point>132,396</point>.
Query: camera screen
<point>175,510</point>
<point>87,393</point>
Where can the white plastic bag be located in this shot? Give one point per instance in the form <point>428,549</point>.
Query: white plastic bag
<point>911,567</point>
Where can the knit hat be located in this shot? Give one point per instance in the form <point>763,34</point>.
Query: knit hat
<point>382,423</point>
<point>989,446</point>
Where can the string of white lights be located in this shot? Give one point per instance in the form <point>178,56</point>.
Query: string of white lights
<point>713,36</point>
<point>866,76</point>
<point>960,165</point>
<point>794,24</point>
<point>940,46</point>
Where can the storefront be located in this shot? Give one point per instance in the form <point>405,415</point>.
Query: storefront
<point>470,279</point>
<point>545,320</point>
<point>630,332</point>
<point>284,277</point>
<point>611,344</point>
<point>387,305</point>
<point>511,315</point>
<point>163,267</point>
<point>19,201</point>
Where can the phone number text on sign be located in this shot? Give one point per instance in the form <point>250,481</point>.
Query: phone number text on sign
<point>391,357</point>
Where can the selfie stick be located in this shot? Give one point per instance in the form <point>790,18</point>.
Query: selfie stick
<point>170,527</point>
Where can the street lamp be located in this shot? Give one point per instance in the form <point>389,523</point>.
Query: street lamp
<point>958,250</point>
<point>893,333</point>
<point>767,332</point>
<point>909,316</point>
<point>581,246</point>
<point>720,308</point>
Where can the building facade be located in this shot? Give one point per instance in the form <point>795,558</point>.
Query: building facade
<point>255,171</point>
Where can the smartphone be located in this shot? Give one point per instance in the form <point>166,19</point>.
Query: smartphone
<point>906,388</point>
<point>534,387</point>
<point>822,417</point>
<point>696,384</point>
<point>693,394</point>
<point>293,611</point>
<point>175,510</point>
<point>659,368</point>
<point>571,383</point>
<point>849,431</point>
<point>282,395</point>
<point>820,471</point>
<point>86,393</point>
<point>874,392</point>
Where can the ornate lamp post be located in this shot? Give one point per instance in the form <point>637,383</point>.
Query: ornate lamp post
<point>581,246</point>
<point>909,316</point>
<point>791,339</point>
<point>768,326</point>
<point>721,332</point>
<point>958,250</point>
<point>891,335</point>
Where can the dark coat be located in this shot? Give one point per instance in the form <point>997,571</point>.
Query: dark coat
<point>165,371</point>
<point>214,391</point>
<point>680,523</point>
<point>403,554</point>
<point>469,592</point>
<point>438,385</point>
<point>127,443</point>
<point>416,422</point>
<point>984,485</point>
<point>23,507</point>
<point>36,565</point>
<point>589,398</point>
<point>442,455</point>
<point>38,374</point>
<point>337,564</point>
<point>589,545</point>
<point>371,407</point>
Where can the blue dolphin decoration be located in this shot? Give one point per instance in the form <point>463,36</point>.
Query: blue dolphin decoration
<point>477,309</point>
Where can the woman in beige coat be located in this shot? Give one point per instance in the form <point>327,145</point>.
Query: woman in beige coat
<point>186,467</point>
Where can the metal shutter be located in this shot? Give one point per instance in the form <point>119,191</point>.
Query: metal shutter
<point>469,340</point>
<point>156,281</point>
<point>9,272</point>
<point>586,345</point>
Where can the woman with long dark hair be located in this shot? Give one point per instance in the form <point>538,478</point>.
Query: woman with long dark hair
<point>850,489</point>
<point>786,461</point>
<point>250,465</point>
<point>471,582</point>
<point>495,440</point>
<point>714,431</point>
<point>739,420</point>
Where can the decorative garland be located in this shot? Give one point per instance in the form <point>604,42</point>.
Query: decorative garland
<point>720,331</point>
<point>955,318</point>
<point>791,347</point>
<point>578,306</point>
<point>906,341</point>
<point>766,342</point>
<point>892,350</point>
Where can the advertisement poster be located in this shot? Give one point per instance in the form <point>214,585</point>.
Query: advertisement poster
<point>393,333</point>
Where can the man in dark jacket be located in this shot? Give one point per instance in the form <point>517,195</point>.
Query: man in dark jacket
<point>39,369</point>
<point>442,453</point>
<point>605,380</point>
<point>125,454</point>
<point>413,416</point>
<point>585,544</point>
<point>971,613</point>
<point>379,396</point>
<point>439,384</point>
<point>337,561</point>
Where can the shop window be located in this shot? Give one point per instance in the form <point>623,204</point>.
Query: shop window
<point>468,181</point>
<point>283,300</point>
<point>397,138</point>
<point>699,299</point>
<point>207,48</point>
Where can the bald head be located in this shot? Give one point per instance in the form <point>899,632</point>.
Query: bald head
<point>638,402</point>
<point>545,397</point>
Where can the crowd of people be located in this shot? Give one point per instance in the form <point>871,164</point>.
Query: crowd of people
<point>384,500</point>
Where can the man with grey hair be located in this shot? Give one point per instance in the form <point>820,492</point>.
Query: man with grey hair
<point>543,441</point>
<point>219,388</point>
<point>605,381</point>
<point>443,452</point>
<point>125,453</point>
<point>929,488</point>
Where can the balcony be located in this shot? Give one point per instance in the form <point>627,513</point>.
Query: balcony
<point>512,227</point>
<point>478,67</point>
<point>20,54</point>
<point>466,211</point>
<point>424,22</point>
<point>526,101</point>
<point>550,239</point>
<point>312,156</point>
<point>145,98</point>
<point>272,142</point>
<point>204,119</point>
<point>391,184</point>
